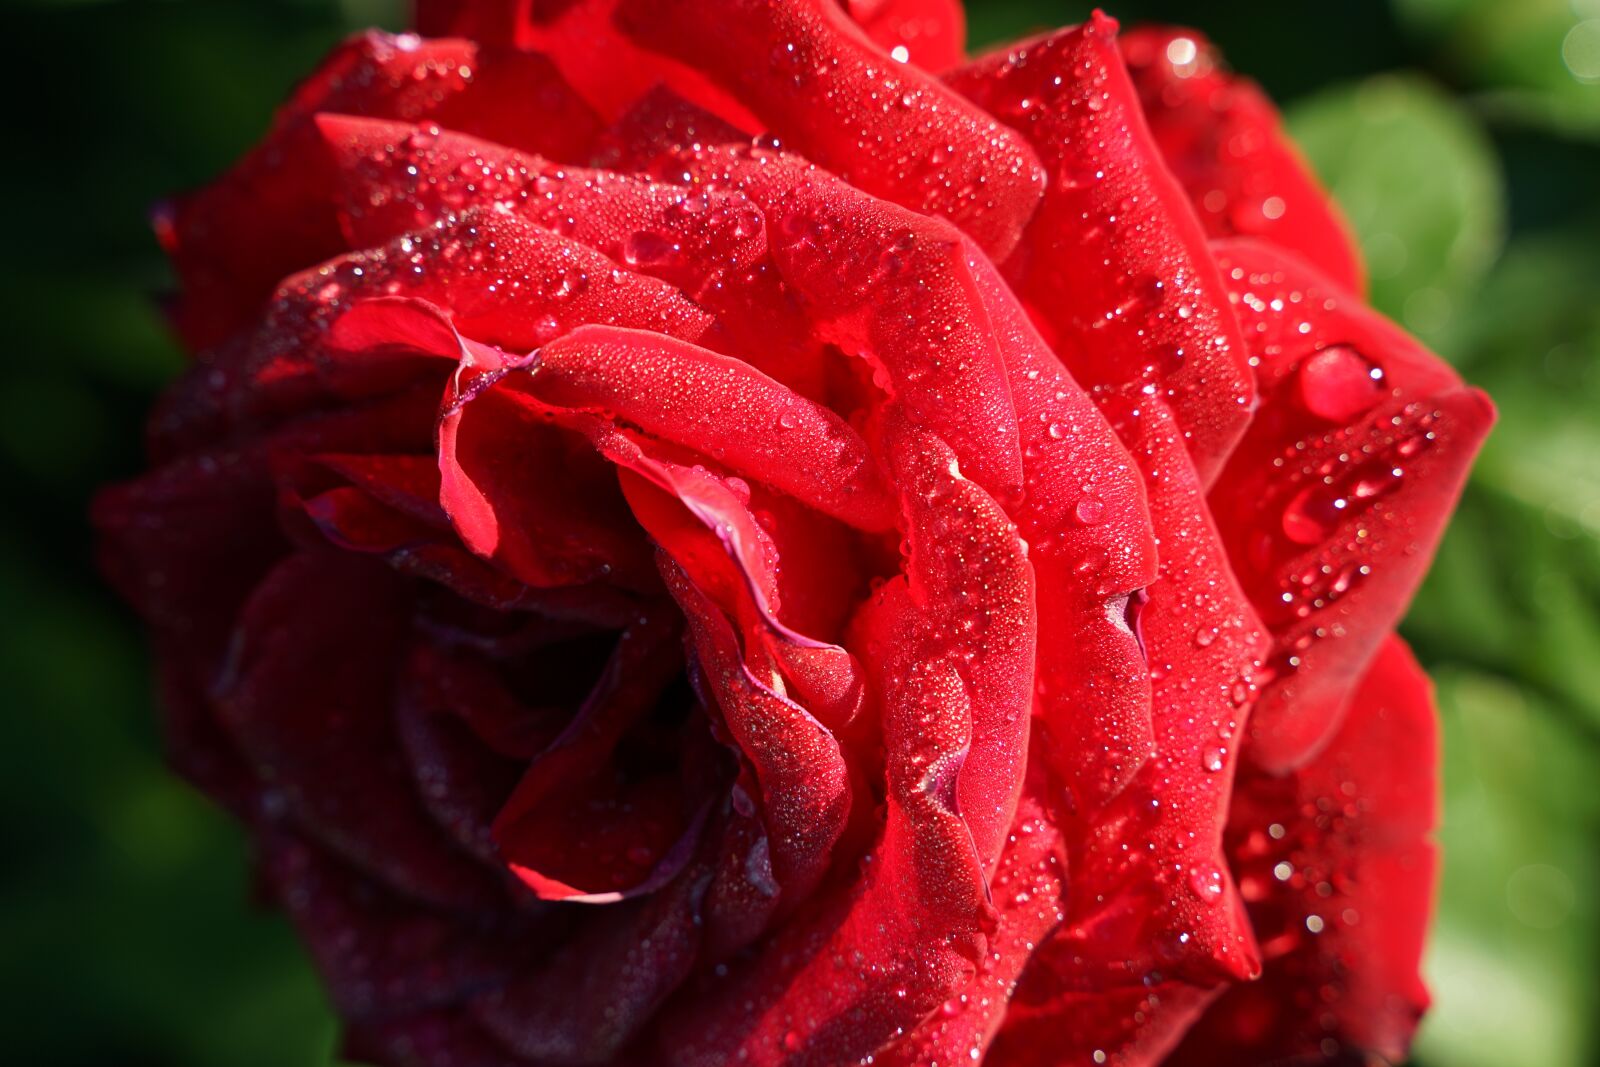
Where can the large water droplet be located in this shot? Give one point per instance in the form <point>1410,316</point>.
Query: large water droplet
<point>1205,882</point>
<point>1090,510</point>
<point>646,248</point>
<point>1312,514</point>
<point>1339,383</point>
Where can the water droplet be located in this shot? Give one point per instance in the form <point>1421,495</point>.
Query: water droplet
<point>1205,637</point>
<point>1205,882</point>
<point>646,248</point>
<point>1312,515</point>
<point>1339,383</point>
<point>1212,758</point>
<point>573,282</point>
<point>1090,509</point>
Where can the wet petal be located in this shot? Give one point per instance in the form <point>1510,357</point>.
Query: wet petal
<point>1087,526</point>
<point>1051,1024</point>
<point>722,408</point>
<point>306,697</point>
<point>1115,263</point>
<point>272,213</point>
<point>1333,504</point>
<point>836,98</point>
<point>397,177</point>
<point>892,287</point>
<point>1152,899</point>
<point>1028,889</point>
<point>930,33</point>
<point>1223,140</point>
<point>804,781</point>
<point>1336,863</point>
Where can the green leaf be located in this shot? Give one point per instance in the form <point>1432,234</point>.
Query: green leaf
<point>1511,947</point>
<point>1538,60</point>
<point>1516,585</point>
<point>1418,180</point>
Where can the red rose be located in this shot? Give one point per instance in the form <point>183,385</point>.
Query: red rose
<point>914,585</point>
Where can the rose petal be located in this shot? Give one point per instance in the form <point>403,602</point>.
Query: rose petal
<point>1223,140</point>
<point>611,70</point>
<point>468,740</point>
<point>186,543</point>
<point>930,33</point>
<point>1169,906</point>
<point>804,781</point>
<point>1333,504</point>
<point>271,214</point>
<point>1115,262</point>
<point>582,1004</point>
<point>1087,526</point>
<point>1047,1025</point>
<point>955,676</point>
<point>500,276</point>
<point>394,177</point>
<point>705,525</point>
<point>722,408</point>
<point>833,96</point>
<point>588,821</point>
<point>377,953</point>
<point>306,697</point>
<point>1336,862</point>
<point>1166,909</point>
<point>449,1038</point>
<point>892,287</point>
<point>1027,888</point>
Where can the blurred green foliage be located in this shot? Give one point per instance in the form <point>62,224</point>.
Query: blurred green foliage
<point>1461,136</point>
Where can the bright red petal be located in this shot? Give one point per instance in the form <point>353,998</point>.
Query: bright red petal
<point>930,33</point>
<point>1223,140</point>
<point>1334,502</point>
<point>833,96</point>
<point>1115,263</point>
<point>1336,863</point>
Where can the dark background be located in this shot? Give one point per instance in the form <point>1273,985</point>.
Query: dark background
<point>1463,138</point>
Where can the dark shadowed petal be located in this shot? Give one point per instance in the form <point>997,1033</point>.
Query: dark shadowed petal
<point>379,954</point>
<point>451,1037</point>
<point>272,214</point>
<point>307,697</point>
<point>579,1005</point>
